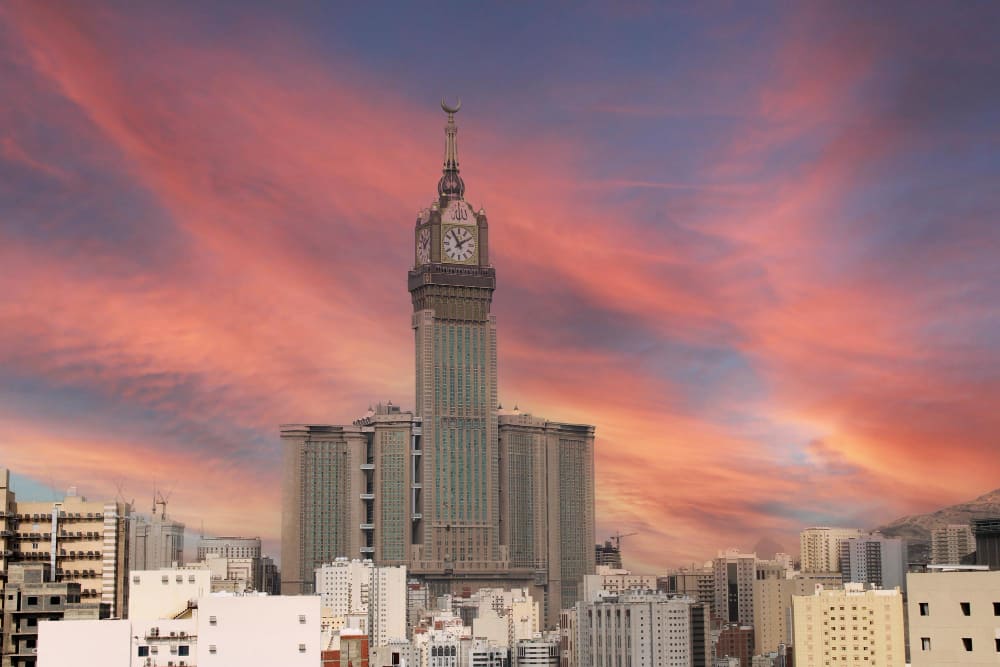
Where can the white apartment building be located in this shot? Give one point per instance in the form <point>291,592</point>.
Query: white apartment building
<point>257,629</point>
<point>820,547</point>
<point>852,626</point>
<point>504,617</point>
<point>536,652</point>
<point>954,617</point>
<point>642,629</point>
<point>165,593</point>
<point>221,630</point>
<point>359,587</point>
<point>614,582</point>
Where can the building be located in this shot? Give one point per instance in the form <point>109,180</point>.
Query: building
<point>219,629</point>
<point>772,606</point>
<point>987,534</point>
<point>359,587</point>
<point>288,625</point>
<point>735,641</point>
<point>426,489</point>
<point>733,576</point>
<point>640,628</point>
<point>954,616</point>
<point>608,555</point>
<point>876,560</point>
<point>167,592</point>
<point>694,582</point>
<point>853,626</point>
<point>951,543</point>
<point>80,541</point>
<point>353,651</point>
<point>484,654</point>
<point>155,542</point>
<point>536,652</point>
<point>547,503</point>
<point>820,547</point>
<point>614,582</point>
<point>31,598</point>
<point>229,547</point>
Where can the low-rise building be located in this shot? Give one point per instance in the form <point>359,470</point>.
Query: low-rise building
<point>954,616</point>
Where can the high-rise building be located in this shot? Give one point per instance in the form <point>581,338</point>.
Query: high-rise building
<point>987,533</point>
<point>951,543</point>
<point>536,652</point>
<point>640,628</point>
<point>852,626</point>
<point>608,554</point>
<point>954,614</point>
<point>874,559</point>
<point>547,503</point>
<point>820,547</point>
<point>772,606</point>
<point>155,542</point>
<point>359,587</point>
<point>433,489</point>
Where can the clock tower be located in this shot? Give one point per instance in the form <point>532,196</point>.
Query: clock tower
<point>452,285</point>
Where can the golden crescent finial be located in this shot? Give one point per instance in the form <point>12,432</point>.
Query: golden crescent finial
<point>450,110</point>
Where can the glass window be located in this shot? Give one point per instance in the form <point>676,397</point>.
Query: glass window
<point>924,608</point>
<point>925,643</point>
<point>143,651</point>
<point>967,642</point>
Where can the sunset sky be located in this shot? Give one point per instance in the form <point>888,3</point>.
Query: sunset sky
<point>757,245</point>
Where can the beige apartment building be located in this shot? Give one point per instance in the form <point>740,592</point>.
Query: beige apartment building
<point>853,626</point>
<point>772,606</point>
<point>820,548</point>
<point>79,541</point>
<point>954,617</point>
<point>949,544</point>
<point>462,493</point>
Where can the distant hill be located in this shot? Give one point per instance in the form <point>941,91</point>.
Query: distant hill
<point>916,528</point>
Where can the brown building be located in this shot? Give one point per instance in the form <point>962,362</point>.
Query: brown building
<point>353,652</point>
<point>736,641</point>
<point>466,496</point>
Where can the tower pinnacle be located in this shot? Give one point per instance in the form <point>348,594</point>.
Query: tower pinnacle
<point>451,185</point>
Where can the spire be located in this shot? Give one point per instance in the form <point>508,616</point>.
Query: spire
<point>451,185</point>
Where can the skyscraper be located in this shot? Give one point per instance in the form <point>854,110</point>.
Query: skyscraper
<point>463,496</point>
<point>874,559</point>
<point>820,547</point>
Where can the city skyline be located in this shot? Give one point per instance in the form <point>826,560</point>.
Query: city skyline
<point>757,251</point>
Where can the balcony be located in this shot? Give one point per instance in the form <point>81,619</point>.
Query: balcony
<point>367,550</point>
<point>368,466</point>
<point>367,496</point>
<point>368,526</point>
<point>417,516</point>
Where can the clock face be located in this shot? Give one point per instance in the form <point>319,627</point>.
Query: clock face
<point>424,246</point>
<point>459,244</point>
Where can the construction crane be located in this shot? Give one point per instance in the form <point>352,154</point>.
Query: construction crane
<point>617,537</point>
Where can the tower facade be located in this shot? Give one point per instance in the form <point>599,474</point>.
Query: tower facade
<point>452,285</point>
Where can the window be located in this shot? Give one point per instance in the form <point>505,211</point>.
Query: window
<point>967,642</point>
<point>996,608</point>
<point>183,649</point>
<point>998,644</point>
<point>54,599</point>
<point>924,609</point>
<point>143,651</point>
<point>925,643</point>
<point>966,608</point>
